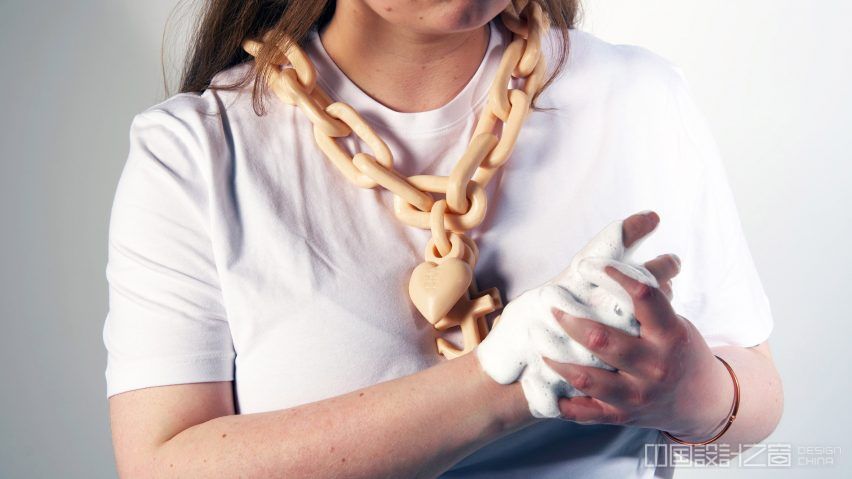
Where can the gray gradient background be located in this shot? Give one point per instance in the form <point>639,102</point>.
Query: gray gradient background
<point>772,77</point>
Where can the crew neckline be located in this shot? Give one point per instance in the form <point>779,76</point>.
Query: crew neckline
<point>408,124</point>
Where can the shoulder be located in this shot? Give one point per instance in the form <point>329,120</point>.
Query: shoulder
<point>185,116</point>
<point>201,111</point>
<point>591,53</point>
<point>190,128</point>
<point>596,68</point>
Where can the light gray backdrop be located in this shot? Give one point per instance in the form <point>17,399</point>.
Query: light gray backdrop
<point>772,76</point>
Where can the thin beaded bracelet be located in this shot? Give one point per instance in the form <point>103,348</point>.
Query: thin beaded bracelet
<point>731,417</point>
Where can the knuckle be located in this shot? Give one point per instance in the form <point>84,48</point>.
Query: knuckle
<point>642,292</point>
<point>638,397</point>
<point>582,381</point>
<point>660,371</point>
<point>566,412</point>
<point>677,338</point>
<point>598,338</point>
<point>616,417</point>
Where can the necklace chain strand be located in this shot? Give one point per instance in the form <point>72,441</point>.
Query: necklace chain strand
<point>443,287</point>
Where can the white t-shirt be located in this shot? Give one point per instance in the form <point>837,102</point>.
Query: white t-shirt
<point>238,252</point>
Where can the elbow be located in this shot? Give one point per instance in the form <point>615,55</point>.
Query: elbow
<point>773,408</point>
<point>772,400</point>
<point>138,467</point>
<point>777,411</point>
<point>147,462</point>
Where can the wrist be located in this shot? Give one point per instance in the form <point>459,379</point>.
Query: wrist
<point>506,402</point>
<point>711,414</point>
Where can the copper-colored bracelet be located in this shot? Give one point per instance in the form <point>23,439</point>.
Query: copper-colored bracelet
<point>731,417</point>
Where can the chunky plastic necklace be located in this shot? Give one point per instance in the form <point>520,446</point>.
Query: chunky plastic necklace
<point>443,287</point>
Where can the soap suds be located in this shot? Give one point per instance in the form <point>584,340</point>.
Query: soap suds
<point>528,331</point>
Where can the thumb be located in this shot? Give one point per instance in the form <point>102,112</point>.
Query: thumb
<point>636,228</point>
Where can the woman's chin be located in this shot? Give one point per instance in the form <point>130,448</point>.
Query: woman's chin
<point>440,16</point>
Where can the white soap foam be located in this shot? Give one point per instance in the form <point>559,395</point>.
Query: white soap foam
<point>528,331</point>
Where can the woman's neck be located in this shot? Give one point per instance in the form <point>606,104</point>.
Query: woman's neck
<point>404,70</point>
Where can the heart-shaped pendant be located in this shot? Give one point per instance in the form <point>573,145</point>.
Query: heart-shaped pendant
<point>436,288</point>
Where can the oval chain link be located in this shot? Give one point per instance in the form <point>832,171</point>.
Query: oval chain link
<point>465,200</point>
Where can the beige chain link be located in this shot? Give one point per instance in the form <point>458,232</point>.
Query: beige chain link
<point>465,202</point>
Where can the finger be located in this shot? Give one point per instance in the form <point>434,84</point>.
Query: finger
<point>613,346</point>
<point>637,226</point>
<point>650,305</point>
<point>609,386</point>
<point>589,410</point>
<point>666,288</point>
<point>593,271</point>
<point>664,267</point>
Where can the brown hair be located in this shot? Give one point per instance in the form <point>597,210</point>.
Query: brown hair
<point>224,24</point>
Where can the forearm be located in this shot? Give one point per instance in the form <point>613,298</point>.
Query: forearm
<point>415,426</point>
<point>761,396</point>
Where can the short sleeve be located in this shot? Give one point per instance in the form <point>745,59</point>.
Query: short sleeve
<point>724,296</point>
<point>166,322</point>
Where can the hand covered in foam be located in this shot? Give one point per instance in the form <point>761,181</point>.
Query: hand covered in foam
<point>527,330</point>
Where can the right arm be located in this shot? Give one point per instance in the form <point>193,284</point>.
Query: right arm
<point>167,324</point>
<point>414,426</point>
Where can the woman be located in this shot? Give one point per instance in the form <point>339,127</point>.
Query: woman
<point>259,323</point>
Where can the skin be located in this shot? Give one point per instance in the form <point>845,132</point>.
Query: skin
<point>667,378</point>
<point>385,430</point>
<point>418,55</point>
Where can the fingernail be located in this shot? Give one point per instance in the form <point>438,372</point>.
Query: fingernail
<point>653,215</point>
<point>673,256</point>
<point>611,270</point>
<point>560,315</point>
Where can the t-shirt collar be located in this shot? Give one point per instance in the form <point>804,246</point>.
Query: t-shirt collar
<point>425,123</point>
